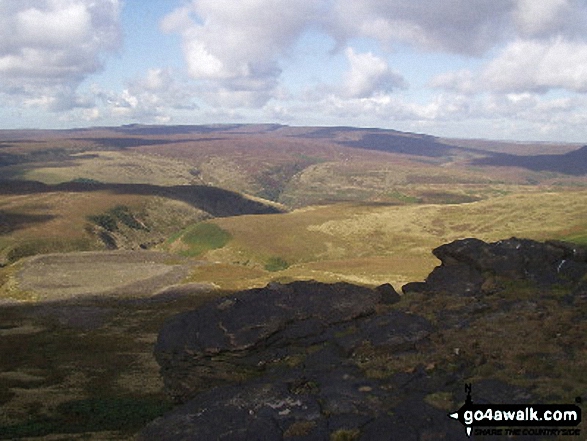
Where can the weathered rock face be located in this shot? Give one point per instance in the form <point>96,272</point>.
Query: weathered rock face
<point>274,363</point>
<point>234,338</point>
<point>311,361</point>
<point>293,409</point>
<point>471,265</point>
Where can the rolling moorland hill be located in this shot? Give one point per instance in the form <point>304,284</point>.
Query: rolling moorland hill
<point>107,232</point>
<point>137,187</point>
<point>294,166</point>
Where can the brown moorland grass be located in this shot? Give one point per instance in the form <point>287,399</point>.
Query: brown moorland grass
<point>61,221</point>
<point>83,369</point>
<point>86,366</point>
<point>374,243</point>
<point>293,165</point>
<point>68,210</point>
<point>135,273</point>
<point>118,167</point>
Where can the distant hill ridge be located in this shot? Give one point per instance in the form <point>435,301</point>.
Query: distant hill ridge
<point>386,140</point>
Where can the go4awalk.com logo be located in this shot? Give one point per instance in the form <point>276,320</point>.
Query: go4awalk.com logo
<point>518,419</point>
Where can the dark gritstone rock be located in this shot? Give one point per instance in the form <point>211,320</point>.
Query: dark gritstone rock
<point>313,361</point>
<point>388,294</point>
<point>275,363</point>
<point>257,410</point>
<point>257,328</point>
<point>471,266</point>
<point>413,420</point>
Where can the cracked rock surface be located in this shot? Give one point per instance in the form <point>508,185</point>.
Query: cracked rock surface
<point>314,361</point>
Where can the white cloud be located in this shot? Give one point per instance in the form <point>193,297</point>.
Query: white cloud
<point>151,98</point>
<point>48,47</point>
<point>539,66</point>
<point>368,75</point>
<point>463,81</point>
<point>53,28</point>
<point>468,27</point>
<point>530,59</point>
<point>525,66</point>
<point>463,26</point>
<point>235,46</point>
<point>545,18</point>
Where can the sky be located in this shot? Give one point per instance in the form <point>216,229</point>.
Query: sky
<point>496,69</point>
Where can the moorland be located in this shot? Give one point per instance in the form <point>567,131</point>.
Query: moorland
<point>107,232</point>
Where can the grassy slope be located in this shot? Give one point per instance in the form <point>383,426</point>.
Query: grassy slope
<point>295,166</point>
<point>117,167</point>
<point>376,244</point>
<point>362,243</point>
<point>59,221</point>
<point>84,379</point>
<point>82,369</point>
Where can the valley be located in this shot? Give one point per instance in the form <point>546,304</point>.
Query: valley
<point>107,232</point>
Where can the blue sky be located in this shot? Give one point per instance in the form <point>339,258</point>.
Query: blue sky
<point>498,69</point>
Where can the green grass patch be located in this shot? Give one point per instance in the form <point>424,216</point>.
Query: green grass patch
<point>578,239</point>
<point>404,198</point>
<point>274,264</point>
<point>204,237</point>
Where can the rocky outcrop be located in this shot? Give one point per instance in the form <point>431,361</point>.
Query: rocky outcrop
<point>276,363</point>
<point>312,361</point>
<point>235,338</point>
<point>471,266</point>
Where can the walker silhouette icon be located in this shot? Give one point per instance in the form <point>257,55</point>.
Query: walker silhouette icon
<point>545,416</point>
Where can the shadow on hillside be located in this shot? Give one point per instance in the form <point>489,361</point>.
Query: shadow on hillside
<point>216,201</point>
<point>106,341</point>
<point>572,163</point>
<point>418,145</point>
<point>54,157</point>
<point>390,141</point>
<point>11,221</point>
<point>125,143</point>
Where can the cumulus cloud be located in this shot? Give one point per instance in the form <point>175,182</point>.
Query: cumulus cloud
<point>462,26</point>
<point>47,47</point>
<point>546,50</point>
<point>235,46</point>
<point>539,66</point>
<point>388,107</point>
<point>467,27</point>
<point>237,51</point>
<point>369,75</point>
<point>525,66</point>
<point>149,98</point>
<point>539,19</point>
<point>233,49</point>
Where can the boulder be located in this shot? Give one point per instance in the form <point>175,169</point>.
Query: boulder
<point>234,338</point>
<point>471,266</point>
<point>388,293</point>
<point>276,362</point>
